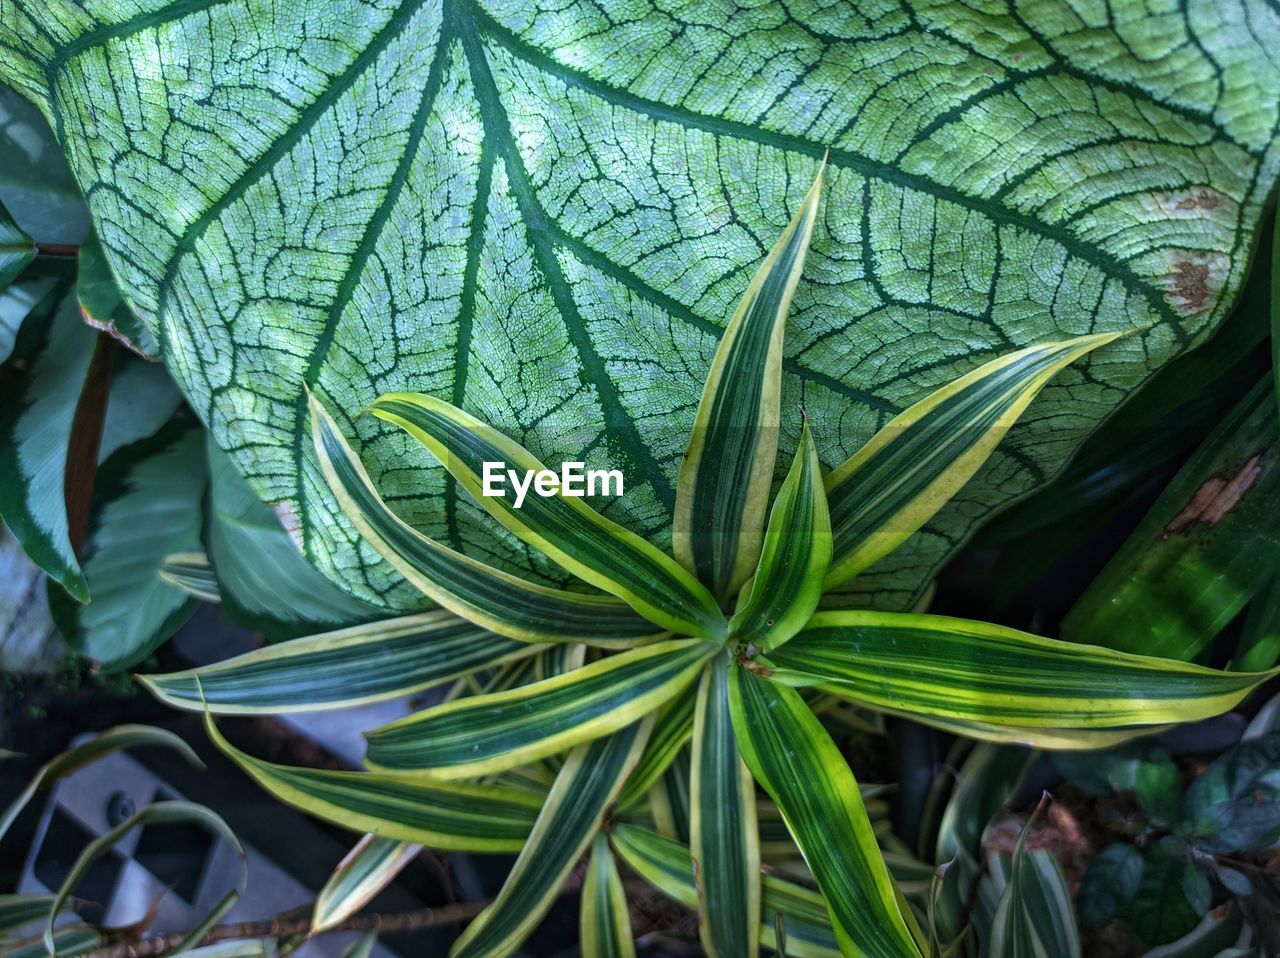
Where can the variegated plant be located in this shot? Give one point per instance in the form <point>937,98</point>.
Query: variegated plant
<point>570,708</point>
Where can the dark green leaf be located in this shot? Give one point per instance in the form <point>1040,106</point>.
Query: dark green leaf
<point>1159,911</point>
<point>1235,803</point>
<point>265,582</point>
<point>146,506</point>
<point>103,308</point>
<point>1110,883</point>
<point>1207,546</point>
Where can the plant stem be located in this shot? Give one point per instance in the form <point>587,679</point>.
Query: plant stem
<point>57,249</point>
<point>288,927</point>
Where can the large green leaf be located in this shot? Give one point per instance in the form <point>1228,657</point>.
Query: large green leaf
<point>489,733</point>
<point>793,757</point>
<point>935,665</point>
<point>36,185</point>
<point>546,213</point>
<point>146,506</point>
<point>1208,545</point>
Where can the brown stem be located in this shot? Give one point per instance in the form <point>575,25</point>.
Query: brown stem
<point>288,927</point>
<point>57,249</point>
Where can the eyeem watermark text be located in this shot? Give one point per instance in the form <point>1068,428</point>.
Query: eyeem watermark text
<point>573,479</point>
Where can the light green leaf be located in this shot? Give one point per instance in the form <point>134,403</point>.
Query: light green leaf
<point>16,249</point>
<point>561,526</point>
<point>365,663</point>
<point>489,733</point>
<point>586,785</point>
<point>159,813</point>
<point>479,593</point>
<point>265,582</point>
<point>727,470</point>
<point>668,866</point>
<point>367,869</point>
<point>449,816</point>
<point>672,730</point>
<point>793,757</point>
<point>112,740</point>
<point>973,671</point>
<point>1208,545</point>
<point>606,922</point>
<point>569,200</point>
<point>146,506</point>
<point>914,465</point>
<point>102,306</point>
<point>797,550</point>
<point>724,837</point>
<point>190,572</point>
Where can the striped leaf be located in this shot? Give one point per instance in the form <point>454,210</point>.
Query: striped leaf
<point>724,836</point>
<point>68,941</point>
<point>793,757</point>
<point>367,869</point>
<point>112,740</point>
<point>585,788</point>
<point>488,733</point>
<point>564,528</point>
<point>158,813</point>
<point>606,923</point>
<point>365,663</point>
<point>1068,739</point>
<point>667,865</point>
<point>454,817</point>
<point>1035,917</point>
<point>191,573</point>
<point>949,668</point>
<point>797,550</point>
<point>17,911</point>
<point>670,733</point>
<point>727,471</point>
<point>909,469</point>
<point>500,602</point>
<point>669,799</point>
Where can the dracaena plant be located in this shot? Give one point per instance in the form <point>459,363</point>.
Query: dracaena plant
<point>723,644</point>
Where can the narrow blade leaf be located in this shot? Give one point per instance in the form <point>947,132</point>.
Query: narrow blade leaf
<point>606,922</point>
<point>793,757</point>
<point>367,869</point>
<point>670,733</point>
<point>974,671</point>
<point>490,733</point>
<point>564,528</point>
<point>723,487</point>
<point>112,740</point>
<point>797,550</point>
<point>909,469</point>
<point>724,835</point>
<point>455,817</point>
<point>667,865</point>
<point>585,787</point>
<point>365,663</point>
<point>500,602</point>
